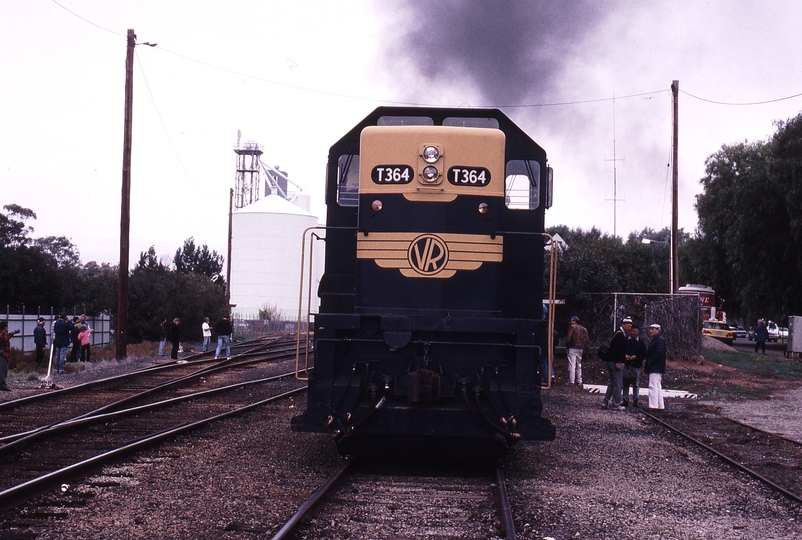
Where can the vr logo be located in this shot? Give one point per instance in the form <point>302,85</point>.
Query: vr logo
<point>428,254</point>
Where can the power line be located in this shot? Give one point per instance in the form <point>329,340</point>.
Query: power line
<point>87,20</point>
<point>420,104</point>
<point>741,104</point>
<point>166,133</point>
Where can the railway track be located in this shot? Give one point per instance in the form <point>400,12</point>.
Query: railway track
<point>73,447</point>
<point>369,502</point>
<point>774,460</point>
<point>23,417</point>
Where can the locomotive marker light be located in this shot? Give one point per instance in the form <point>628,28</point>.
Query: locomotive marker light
<point>376,205</point>
<point>430,154</point>
<point>483,208</point>
<point>430,174</point>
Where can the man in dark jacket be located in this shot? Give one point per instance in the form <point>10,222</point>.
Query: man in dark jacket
<point>615,365</point>
<point>633,363</point>
<point>62,329</point>
<point>656,366</point>
<point>761,335</point>
<point>224,331</point>
<point>40,341</point>
<point>75,355</point>
<point>175,338</point>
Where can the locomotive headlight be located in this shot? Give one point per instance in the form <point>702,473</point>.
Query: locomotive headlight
<point>430,174</point>
<point>483,208</point>
<point>430,154</point>
<point>376,205</point>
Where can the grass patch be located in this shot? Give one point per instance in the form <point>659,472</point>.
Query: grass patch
<point>769,367</point>
<point>733,391</point>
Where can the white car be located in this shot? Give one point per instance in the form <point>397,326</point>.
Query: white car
<point>774,331</point>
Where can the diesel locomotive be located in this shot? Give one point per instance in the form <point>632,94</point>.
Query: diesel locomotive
<point>431,330</point>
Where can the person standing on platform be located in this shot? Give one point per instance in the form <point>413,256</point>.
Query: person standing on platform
<point>633,363</point>
<point>207,333</point>
<point>40,341</point>
<point>75,355</point>
<point>615,365</point>
<point>5,348</point>
<point>175,337</point>
<point>62,329</point>
<point>86,342</point>
<point>162,336</point>
<point>576,342</point>
<point>761,335</point>
<point>224,331</point>
<point>655,367</point>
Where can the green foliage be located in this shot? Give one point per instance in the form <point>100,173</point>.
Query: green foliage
<point>269,312</point>
<point>190,259</point>
<point>47,272</point>
<point>748,247</point>
<point>13,230</point>
<point>597,263</point>
<point>154,294</point>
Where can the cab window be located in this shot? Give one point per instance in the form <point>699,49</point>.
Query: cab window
<point>522,185</point>
<point>348,180</point>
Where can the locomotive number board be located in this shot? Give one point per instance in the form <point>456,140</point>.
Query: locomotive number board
<point>469,176</point>
<point>392,174</point>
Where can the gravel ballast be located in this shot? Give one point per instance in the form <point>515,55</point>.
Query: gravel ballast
<point>609,474</point>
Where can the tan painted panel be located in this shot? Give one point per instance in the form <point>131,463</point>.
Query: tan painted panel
<point>425,255</point>
<point>459,146</point>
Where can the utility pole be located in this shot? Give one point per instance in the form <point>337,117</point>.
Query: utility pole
<point>230,236</point>
<point>674,255</point>
<point>121,332</point>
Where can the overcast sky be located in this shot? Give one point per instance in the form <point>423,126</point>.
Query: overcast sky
<point>294,76</point>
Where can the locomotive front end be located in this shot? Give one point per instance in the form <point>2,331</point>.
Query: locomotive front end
<point>428,353</point>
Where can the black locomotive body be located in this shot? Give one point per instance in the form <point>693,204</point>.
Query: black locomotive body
<point>429,333</point>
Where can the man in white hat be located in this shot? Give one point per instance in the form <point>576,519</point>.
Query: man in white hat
<point>656,366</point>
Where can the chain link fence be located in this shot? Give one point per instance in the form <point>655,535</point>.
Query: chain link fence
<point>253,327</point>
<point>677,314</point>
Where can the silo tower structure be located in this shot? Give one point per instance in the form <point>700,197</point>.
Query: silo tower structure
<point>246,186</point>
<point>267,227</point>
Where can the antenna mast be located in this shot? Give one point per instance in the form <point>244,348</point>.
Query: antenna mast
<point>615,198</point>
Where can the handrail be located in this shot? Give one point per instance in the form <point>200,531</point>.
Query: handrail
<point>308,307</point>
<point>552,293</point>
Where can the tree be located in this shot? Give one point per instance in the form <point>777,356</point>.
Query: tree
<point>750,228</point>
<point>156,291</point>
<point>13,230</point>
<point>32,272</point>
<point>191,259</point>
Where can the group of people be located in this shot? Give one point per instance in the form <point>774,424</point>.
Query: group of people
<point>69,337</point>
<point>627,355</point>
<point>173,332</point>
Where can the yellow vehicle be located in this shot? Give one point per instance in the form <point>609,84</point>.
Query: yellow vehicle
<point>718,330</point>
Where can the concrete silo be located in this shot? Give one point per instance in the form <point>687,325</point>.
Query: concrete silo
<point>266,257</point>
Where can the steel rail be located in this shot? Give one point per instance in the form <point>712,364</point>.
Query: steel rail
<point>788,494</point>
<point>227,364</point>
<point>792,441</point>
<point>507,519</point>
<point>83,420</point>
<point>99,382</point>
<point>15,496</point>
<point>310,503</point>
